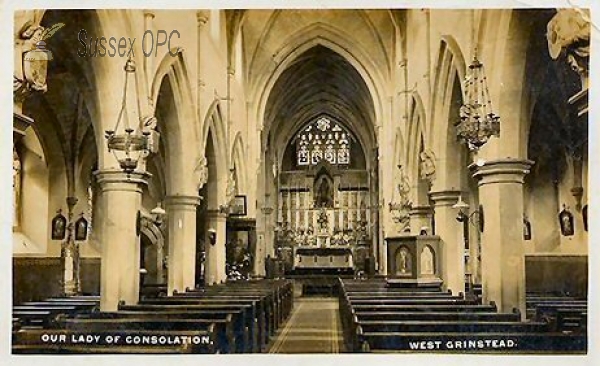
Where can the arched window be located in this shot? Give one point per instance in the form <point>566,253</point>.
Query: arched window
<point>323,139</point>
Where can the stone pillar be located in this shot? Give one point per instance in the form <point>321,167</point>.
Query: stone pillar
<point>452,240</point>
<point>502,247</point>
<point>120,276</point>
<point>215,253</point>
<point>420,216</point>
<point>182,241</point>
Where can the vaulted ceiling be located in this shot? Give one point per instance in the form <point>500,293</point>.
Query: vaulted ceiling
<point>319,82</point>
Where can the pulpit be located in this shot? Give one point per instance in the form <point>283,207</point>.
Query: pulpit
<point>414,258</point>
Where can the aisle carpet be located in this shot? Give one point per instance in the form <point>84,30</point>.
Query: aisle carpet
<point>313,327</point>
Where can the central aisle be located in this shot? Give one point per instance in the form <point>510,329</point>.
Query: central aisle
<point>313,327</point>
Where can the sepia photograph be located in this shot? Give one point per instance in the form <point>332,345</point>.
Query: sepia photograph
<point>394,181</point>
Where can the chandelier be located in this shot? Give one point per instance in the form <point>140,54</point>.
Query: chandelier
<point>127,144</point>
<point>477,121</point>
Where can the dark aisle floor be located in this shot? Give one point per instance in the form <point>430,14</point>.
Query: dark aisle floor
<point>313,327</point>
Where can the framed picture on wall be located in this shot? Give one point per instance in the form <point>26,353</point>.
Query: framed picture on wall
<point>238,206</point>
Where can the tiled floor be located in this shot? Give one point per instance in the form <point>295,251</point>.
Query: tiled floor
<point>313,327</point>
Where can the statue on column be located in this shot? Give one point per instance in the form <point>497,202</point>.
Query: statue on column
<point>201,172</point>
<point>569,34</point>
<point>31,66</point>
<point>427,158</point>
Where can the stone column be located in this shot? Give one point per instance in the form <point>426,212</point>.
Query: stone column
<point>420,216</point>
<point>452,240</point>
<point>120,276</point>
<point>182,241</point>
<point>502,247</point>
<point>215,253</point>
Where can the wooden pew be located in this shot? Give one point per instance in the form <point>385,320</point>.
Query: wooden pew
<point>281,298</point>
<point>440,327</point>
<point>34,318</point>
<point>258,309</point>
<point>33,341</point>
<point>240,330</point>
<point>398,294</point>
<point>250,316</point>
<point>435,316</point>
<point>563,317</point>
<point>408,301</point>
<point>223,328</point>
<point>267,302</point>
<point>570,320</point>
<point>505,342</point>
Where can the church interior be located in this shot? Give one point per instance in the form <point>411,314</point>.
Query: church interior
<point>300,181</point>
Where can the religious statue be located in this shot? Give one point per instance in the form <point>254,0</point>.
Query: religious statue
<point>569,34</point>
<point>404,262</point>
<point>427,158</point>
<point>323,192</point>
<point>427,265</point>
<point>16,188</point>
<point>31,66</point>
<point>231,186</point>
<point>201,172</point>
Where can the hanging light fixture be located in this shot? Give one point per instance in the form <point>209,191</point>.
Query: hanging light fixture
<point>127,144</point>
<point>478,122</point>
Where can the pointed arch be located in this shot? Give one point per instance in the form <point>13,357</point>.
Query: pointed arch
<point>447,97</point>
<point>329,37</point>
<point>415,139</point>
<point>238,154</point>
<point>171,81</point>
<point>214,128</point>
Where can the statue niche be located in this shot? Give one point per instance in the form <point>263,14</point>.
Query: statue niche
<point>323,191</point>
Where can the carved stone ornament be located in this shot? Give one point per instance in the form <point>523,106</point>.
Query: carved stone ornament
<point>569,34</point>
<point>427,159</point>
<point>231,186</point>
<point>32,57</point>
<point>201,172</point>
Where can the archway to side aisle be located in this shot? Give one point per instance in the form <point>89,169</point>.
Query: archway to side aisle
<point>318,183</point>
<point>211,214</point>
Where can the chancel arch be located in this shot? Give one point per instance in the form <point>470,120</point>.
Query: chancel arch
<point>323,184</point>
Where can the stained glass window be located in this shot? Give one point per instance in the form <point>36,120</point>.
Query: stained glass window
<point>323,139</point>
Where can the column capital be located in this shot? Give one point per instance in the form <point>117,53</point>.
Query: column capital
<point>509,170</point>
<point>445,197</point>
<point>182,200</point>
<point>117,180</point>
<point>421,210</point>
<point>216,214</point>
<point>149,13</point>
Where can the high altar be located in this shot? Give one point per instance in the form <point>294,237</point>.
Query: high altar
<point>325,219</point>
